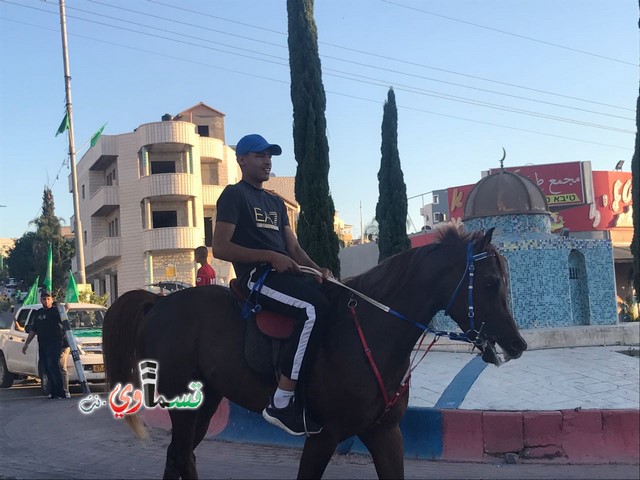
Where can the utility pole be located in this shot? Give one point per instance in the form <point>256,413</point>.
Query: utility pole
<point>72,150</point>
<point>361,229</point>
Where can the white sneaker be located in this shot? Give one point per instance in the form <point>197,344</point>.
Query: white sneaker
<point>67,394</point>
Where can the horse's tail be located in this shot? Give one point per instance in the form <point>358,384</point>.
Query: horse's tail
<point>135,424</point>
<point>120,331</point>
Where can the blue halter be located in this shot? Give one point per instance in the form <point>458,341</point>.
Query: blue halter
<point>472,334</point>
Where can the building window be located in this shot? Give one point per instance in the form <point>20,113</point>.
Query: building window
<point>439,217</point>
<point>203,130</point>
<point>164,219</point>
<point>82,192</point>
<point>163,167</point>
<point>114,228</point>
<point>574,273</point>
<point>141,171</point>
<point>208,231</point>
<point>436,199</point>
<point>84,237</point>
<point>210,174</point>
<point>111,178</point>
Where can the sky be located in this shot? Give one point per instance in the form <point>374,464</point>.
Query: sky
<point>549,81</point>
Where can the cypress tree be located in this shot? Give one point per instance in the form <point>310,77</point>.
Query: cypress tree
<point>635,202</point>
<point>311,148</point>
<point>391,210</point>
<point>28,258</point>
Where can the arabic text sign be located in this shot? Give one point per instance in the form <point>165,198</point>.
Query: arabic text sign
<point>612,207</point>
<point>562,183</point>
<point>457,197</point>
<point>127,400</point>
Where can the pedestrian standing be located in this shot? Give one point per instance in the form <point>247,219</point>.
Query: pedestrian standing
<point>206,274</point>
<point>47,325</point>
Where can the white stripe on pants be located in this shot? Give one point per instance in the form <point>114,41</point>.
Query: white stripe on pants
<point>310,310</point>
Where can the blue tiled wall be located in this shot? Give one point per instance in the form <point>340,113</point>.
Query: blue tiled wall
<point>541,292</point>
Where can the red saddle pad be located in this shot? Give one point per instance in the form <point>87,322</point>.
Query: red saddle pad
<point>272,324</point>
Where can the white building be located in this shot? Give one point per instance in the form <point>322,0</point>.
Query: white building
<point>435,213</point>
<point>147,199</point>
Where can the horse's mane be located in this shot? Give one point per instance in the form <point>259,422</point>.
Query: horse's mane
<point>388,276</point>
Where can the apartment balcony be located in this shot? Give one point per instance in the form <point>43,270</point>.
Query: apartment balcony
<point>172,238</point>
<point>104,153</point>
<point>105,250</point>
<point>212,147</point>
<point>170,184</point>
<point>104,201</point>
<point>210,194</point>
<point>167,132</point>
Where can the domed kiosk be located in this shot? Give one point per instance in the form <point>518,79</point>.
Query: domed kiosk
<point>505,193</point>
<point>511,203</point>
<point>554,280</point>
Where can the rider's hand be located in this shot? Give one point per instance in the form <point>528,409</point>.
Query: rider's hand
<point>326,273</point>
<point>284,264</point>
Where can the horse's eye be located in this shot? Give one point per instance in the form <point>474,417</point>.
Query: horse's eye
<point>492,282</point>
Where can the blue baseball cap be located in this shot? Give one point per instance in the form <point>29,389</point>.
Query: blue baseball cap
<point>256,143</point>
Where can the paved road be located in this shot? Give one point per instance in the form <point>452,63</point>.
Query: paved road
<point>73,445</point>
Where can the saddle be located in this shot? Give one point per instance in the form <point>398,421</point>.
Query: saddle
<point>265,335</point>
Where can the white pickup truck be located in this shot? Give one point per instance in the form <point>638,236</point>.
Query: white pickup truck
<point>86,321</point>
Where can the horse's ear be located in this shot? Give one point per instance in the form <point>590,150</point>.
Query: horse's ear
<point>486,240</point>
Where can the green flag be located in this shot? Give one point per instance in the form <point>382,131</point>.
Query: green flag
<point>72,295</point>
<point>48,282</point>
<point>97,135</point>
<point>32,296</point>
<point>64,125</point>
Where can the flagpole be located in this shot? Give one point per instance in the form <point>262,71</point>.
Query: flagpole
<point>72,153</point>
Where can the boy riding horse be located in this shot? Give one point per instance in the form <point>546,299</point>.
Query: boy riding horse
<point>253,232</point>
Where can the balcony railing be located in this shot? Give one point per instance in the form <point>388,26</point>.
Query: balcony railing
<point>210,194</point>
<point>172,238</point>
<point>212,147</point>
<point>105,250</point>
<point>167,132</point>
<point>163,184</point>
<point>104,201</point>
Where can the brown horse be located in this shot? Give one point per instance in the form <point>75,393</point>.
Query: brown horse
<point>198,333</point>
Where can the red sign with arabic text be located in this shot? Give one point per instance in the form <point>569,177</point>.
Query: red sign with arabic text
<point>562,183</point>
<point>457,197</point>
<point>611,208</point>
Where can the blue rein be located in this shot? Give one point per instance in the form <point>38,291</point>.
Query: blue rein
<point>472,334</point>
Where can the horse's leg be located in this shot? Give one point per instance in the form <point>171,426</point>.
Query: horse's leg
<point>387,450</point>
<point>205,413</point>
<point>180,458</point>
<point>318,450</point>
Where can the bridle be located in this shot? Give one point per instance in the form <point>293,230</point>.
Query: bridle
<point>474,336</point>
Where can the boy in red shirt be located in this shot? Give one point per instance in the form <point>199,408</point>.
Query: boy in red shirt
<point>206,274</point>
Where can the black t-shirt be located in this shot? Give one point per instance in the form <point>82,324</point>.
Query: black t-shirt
<point>48,325</point>
<point>260,218</point>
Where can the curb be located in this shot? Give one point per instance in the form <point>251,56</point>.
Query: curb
<point>556,436</point>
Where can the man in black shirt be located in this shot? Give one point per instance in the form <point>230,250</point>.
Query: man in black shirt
<point>47,325</point>
<point>253,232</point>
